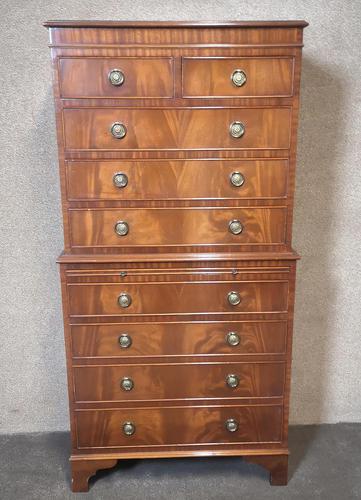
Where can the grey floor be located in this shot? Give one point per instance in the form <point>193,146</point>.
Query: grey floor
<point>325,463</point>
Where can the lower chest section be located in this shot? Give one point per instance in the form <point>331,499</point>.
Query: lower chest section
<point>178,356</point>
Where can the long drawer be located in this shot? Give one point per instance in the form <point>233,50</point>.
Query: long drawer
<point>178,339</point>
<point>171,426</point>
<point>177,298</point>
<point>178,381</point>
<point>176,179</point>
<point>159,129</point>
<point>177,226</point>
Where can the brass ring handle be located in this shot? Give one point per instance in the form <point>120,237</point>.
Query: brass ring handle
<point>238,77</point>
<point>231,425</point>
<point>232,381</point>
<point>234,298</point>
<point>235,226</point>
<point>237,129</point>
<point>237,179</point>
<point>125,341</point>
<point>120,180</point>
<point>116,77</point>
<point>124,300</point>
<point>232,339</point>
<point>118,130</point>
<point>121,228</point>
<point>126,384</point>
<point>128,428</point>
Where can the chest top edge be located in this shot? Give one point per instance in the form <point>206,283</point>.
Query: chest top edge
<point>173,33</point>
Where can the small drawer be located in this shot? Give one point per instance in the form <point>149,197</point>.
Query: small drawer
<point>238,77</point>
<point>176,179</point>
<point>178,381</point>
<point>130,227</point>
<point>178,339</point>
<point>92,77</point>
<point>176,128</point>
<point>172,426</point>
<point>183,297</point>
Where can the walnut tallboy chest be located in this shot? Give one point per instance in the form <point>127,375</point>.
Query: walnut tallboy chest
<point>177,146</point>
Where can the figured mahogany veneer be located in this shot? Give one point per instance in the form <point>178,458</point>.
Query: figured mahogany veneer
<point>169,128</point>
<point>169,426</point>
<point>179,261</point>
<point>176,179</point>
<point>89,77</point>
<point>177,381</point>
<point>177,298</point>
<point>211,77</point>
<point>178,339</point>
<point>170,226</point>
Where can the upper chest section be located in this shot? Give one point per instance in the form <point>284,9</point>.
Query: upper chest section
<point>165,64</point>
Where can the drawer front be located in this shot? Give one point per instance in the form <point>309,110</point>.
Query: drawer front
<point>90,129</point>
<point>179,339</point>
<point>169,226</point>
<point>177,298</point>
<point>91,77</point>
<point>170,382</point>
<point>171,426</point>
<point>258,77</point>
<point>177,179</point>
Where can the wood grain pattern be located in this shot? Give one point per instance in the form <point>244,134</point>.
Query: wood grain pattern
<point>88,77</point>
<point>83,470</point>
<point>171,425</point>
<point>211,77</point>
<point>177,298</point>
<point>187,260</point>
<point>158,129</point>
<point>156,227</point>
<point>178,381</point>
<point>91,270</point>
<point>176,180</point>
<point>170,34</point>
<point>178,339</point>
<point>179,260</point>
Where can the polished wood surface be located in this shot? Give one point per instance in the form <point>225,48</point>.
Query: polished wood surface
<point>166,226</point>
<point>176,179</point>
<point>173,24</point>
<point>177,298</point>
<point>157,129</point>
<point>261,424</point>
<point>191,267</point>
<point>229,259</point>
<point>179,260</point>
<point>145,33</point>
<point>178,381</point>
<point>87,464</point>
<point>211,77</point>
<point>89,77</point>
<point>83,470</point>
<point>178,339</point>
